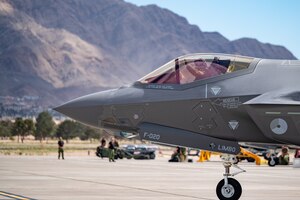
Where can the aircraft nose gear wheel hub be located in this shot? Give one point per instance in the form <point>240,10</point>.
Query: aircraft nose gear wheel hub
<point>227,191</point>
<point>271,162</point>
<point>229,188</point>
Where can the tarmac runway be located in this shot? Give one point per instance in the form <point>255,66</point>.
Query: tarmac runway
<point>29,177</point>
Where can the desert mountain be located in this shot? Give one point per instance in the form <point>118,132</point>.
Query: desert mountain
<point>62,49</point>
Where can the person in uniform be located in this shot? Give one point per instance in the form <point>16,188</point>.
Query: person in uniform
<point>175,157</point>
<point>103,143</point>
<point>101,149</point>
<point>60,148</point>
<point>111,150</point>
<point>284,157</point>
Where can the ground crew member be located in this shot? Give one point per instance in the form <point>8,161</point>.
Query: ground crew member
<point>101,149</point>
<point>116,147</point>
<point>297,153</point>
<point>175,157</point>
<point>111,150</point>
<point>284,158</point>
<point>60,148</point>
<point>103,143</point>
<point>182,154</point>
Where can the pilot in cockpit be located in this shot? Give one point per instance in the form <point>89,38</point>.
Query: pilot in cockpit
<point>219,66</point>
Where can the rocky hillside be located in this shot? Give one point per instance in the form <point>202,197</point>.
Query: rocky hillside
<point>62,49</point>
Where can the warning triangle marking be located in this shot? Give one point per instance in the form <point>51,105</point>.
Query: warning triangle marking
<point>215,90</point>
<point>233,125</point>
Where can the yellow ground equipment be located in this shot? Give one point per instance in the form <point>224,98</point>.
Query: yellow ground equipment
<point>204,156</point>
<point>248,155</point>
<point>243,155</point>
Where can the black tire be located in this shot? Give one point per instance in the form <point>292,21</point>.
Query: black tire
<point>266,156</point>
<point>152,156</point>
<point>232,192</point>
<point>250,159</point>
<point>271,162</point>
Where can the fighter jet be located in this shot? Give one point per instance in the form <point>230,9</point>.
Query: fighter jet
<point>204,101</point>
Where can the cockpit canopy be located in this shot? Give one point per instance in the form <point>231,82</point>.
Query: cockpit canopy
<point>190,68</point>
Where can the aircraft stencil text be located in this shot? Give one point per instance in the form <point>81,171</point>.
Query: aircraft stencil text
<point>151,136</point>
<point>226,148</point>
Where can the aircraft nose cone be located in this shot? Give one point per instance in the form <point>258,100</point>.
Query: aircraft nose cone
<point>93,108</point>
<point>86,109</point>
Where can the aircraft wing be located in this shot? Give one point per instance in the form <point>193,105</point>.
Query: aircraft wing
<point>283,97</point>
<point>277,114</point>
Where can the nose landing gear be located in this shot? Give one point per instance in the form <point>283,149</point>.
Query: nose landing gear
<point>229,188</point>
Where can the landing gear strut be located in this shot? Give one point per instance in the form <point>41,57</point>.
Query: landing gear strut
<point>229,188</point>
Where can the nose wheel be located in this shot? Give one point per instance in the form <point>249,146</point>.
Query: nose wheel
<point>271,162</point>
<point>232,191</point>
<point>229,188</point>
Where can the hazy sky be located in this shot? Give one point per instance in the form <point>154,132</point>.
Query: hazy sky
<point>269,21</point>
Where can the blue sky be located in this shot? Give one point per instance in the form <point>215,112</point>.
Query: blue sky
<point>269,21</point>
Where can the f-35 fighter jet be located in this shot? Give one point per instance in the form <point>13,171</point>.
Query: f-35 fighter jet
<point>204,101</point>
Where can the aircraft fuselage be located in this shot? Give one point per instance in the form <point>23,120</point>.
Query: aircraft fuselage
<point>257,103</point>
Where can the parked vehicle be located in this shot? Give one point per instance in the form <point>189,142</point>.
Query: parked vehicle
<point>143,152</point>
<point>120,153</point>
<point>129,151</point>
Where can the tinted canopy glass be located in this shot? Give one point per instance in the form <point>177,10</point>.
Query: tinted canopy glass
<point>190,68</point>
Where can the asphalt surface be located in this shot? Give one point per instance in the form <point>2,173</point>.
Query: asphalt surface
<point>92,178</point>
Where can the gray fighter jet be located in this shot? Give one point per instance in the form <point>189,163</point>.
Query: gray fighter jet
<point>204,101</point>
